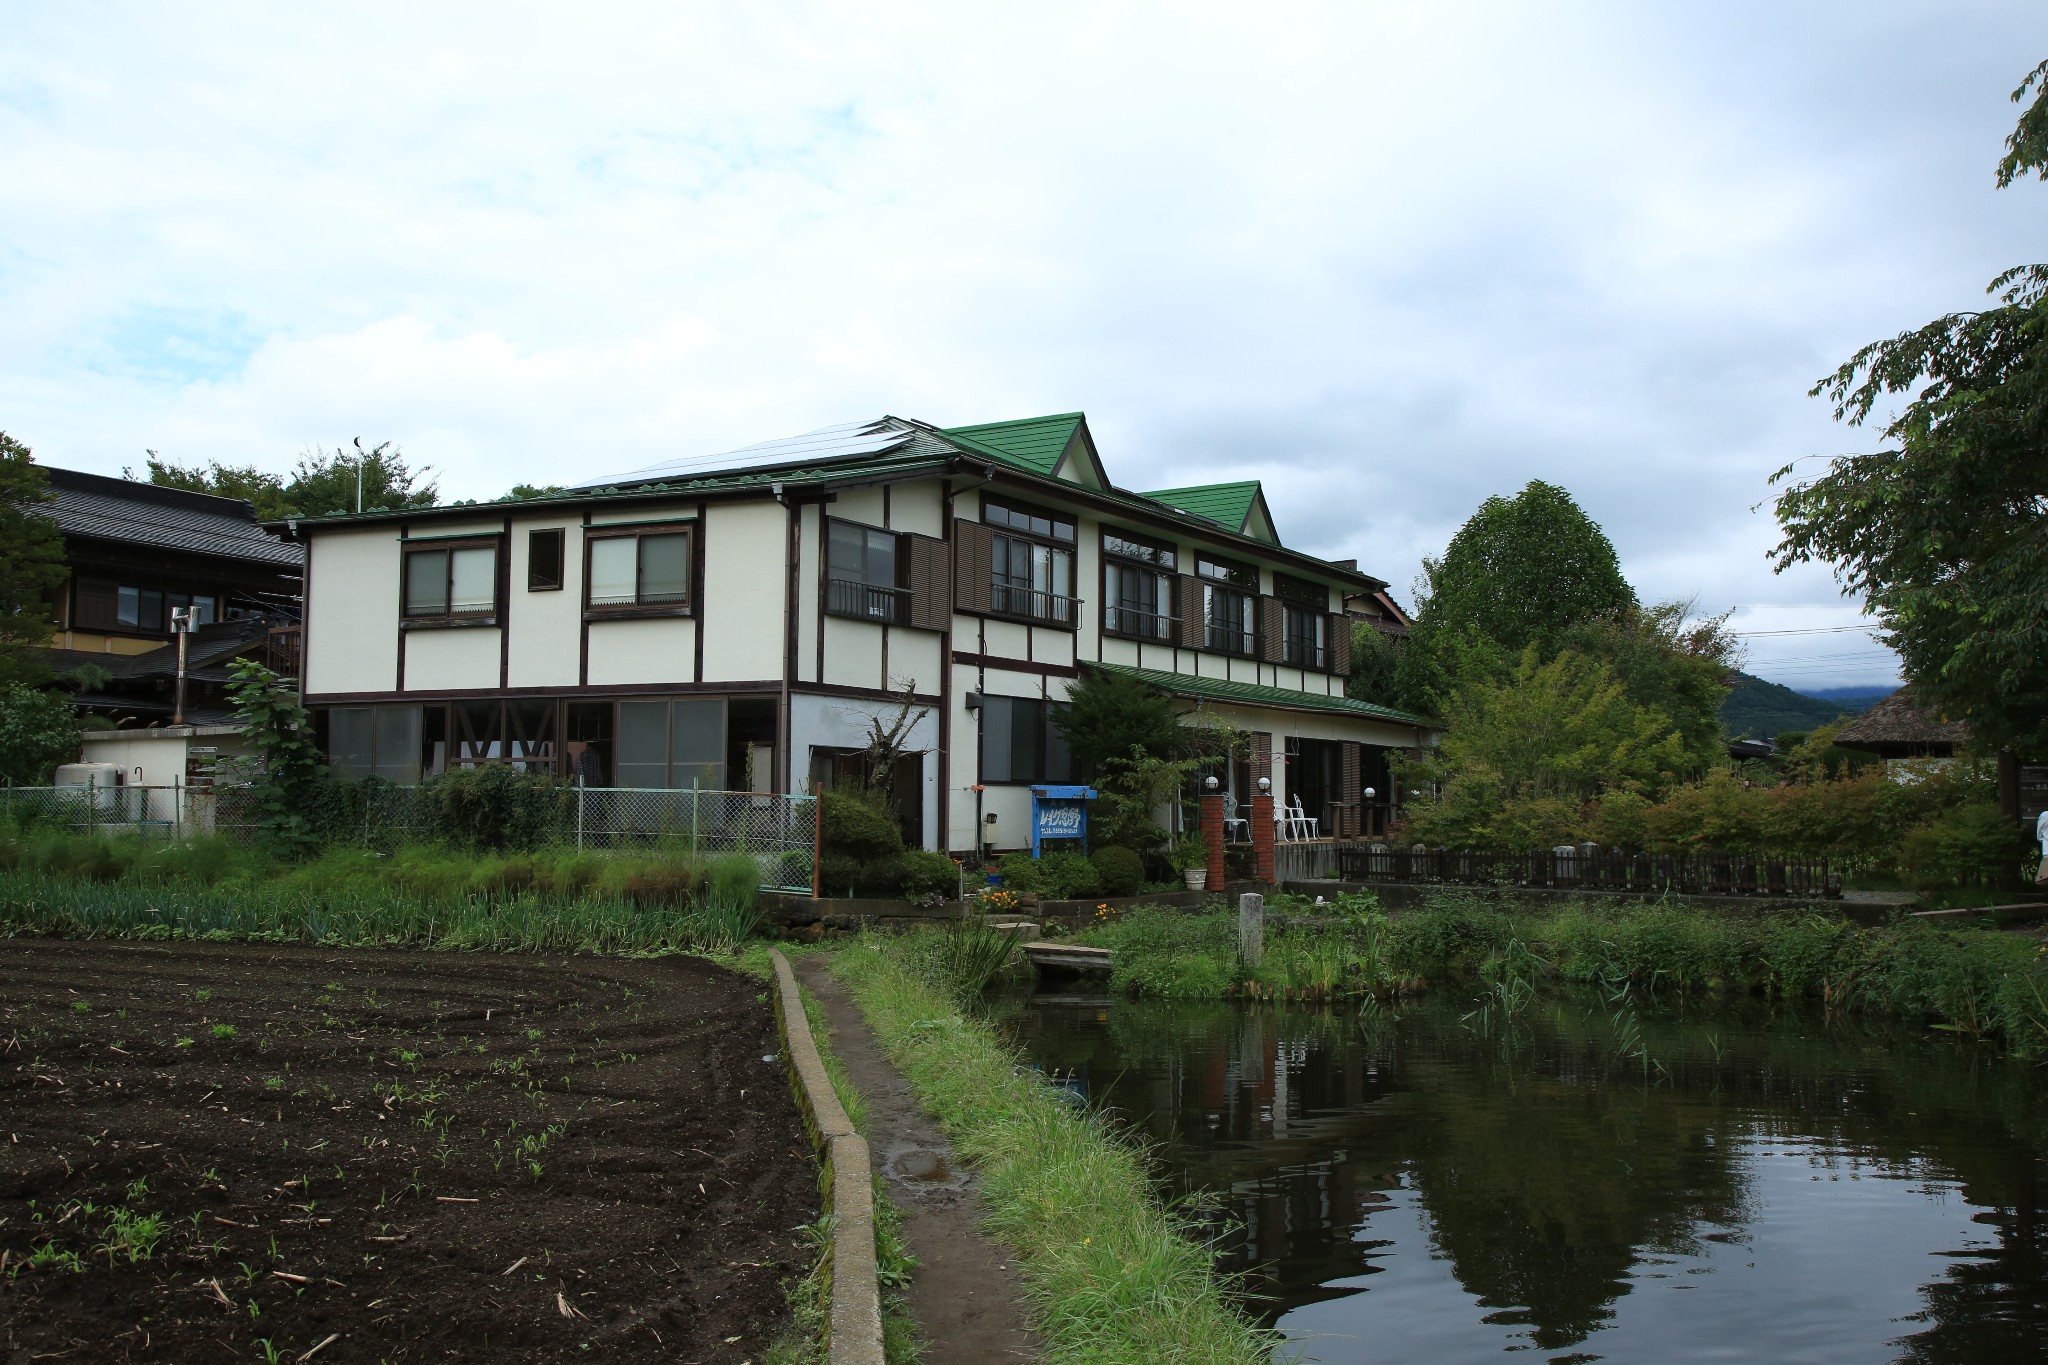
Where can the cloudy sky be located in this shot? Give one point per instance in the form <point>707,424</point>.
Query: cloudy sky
<point>1389,258</point>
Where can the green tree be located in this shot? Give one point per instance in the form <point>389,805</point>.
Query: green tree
<point>1522,755</point>
<point>290,773</point>
<point>1945,534</point>
<point>320,484</point>
<point>1375,661</point>
<point>31,563</point>
<point>37,732</point>
<point>1668,658</point>
<point>1521,571</point>
<point>1108,715</point>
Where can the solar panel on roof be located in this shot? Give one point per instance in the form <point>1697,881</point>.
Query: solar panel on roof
<point>847,441</point>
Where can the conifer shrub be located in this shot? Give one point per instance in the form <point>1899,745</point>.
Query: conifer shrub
<point>1120,870</point>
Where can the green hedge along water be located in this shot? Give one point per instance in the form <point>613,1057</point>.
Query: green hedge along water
<point>1590,1179</point>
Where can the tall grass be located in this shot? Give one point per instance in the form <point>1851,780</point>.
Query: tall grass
<point>1111,1276</point>
<point>63,881</point>
<point>1973,982</point>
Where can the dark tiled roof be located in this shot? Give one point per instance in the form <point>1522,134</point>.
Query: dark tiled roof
<point>1253,694</point>
<point>95,507</point>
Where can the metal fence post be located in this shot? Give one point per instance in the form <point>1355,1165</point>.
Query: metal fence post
<point>579,816</point>
<point>695,851</point>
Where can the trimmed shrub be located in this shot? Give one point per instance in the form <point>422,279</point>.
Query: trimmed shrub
<point>858,829</point>
<point>1120,870</point>
<point>926,873</point>
<point>1021,872</point>
<point>1068,875</point>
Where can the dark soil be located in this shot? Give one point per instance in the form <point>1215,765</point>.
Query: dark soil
<point>966,1293</point>
<point>214,1151</point>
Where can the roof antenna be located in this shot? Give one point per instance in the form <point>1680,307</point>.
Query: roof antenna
<point>360,457</point>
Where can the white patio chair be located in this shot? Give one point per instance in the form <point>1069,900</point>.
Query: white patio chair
<point>1235,826</point>
<point>1300,824</point>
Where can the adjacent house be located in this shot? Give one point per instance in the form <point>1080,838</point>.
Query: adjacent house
<point>137,552</point>
<point>740,621</point>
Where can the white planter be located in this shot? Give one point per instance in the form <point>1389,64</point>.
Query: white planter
<point>1197,878</point>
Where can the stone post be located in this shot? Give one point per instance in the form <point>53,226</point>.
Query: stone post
<point>1262,839</point>
<point>1251,928</point>
<point>1214,831</point>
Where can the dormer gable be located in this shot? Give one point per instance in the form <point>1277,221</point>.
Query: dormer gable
<point>1057,446</point>
<point>1239,507</point>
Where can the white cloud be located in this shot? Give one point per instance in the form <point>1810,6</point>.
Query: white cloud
<point>1392,258</point>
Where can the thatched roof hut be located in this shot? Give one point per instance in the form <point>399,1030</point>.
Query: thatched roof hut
<point>1898,728</point>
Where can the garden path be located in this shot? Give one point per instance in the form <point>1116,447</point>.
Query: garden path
<point>966,1293</point>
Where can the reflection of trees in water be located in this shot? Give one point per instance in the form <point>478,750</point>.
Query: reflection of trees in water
<point>1549,1168</point>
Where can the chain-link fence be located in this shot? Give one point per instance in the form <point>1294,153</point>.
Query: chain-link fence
<point>779,832</point>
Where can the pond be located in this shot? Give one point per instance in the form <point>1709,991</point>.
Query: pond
<point>1597,1182</point>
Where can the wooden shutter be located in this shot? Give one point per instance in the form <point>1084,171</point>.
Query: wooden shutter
<point>1272,619</point>
<point>1188,592</point>
<point>931,594</point>
<point>1351,789</point>
<point>974,565</point>
<point>98,605</point>
<point>1338,633</point>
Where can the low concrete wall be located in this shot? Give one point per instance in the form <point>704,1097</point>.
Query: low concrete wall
<point>857,912</point>
<point>855,1332</point>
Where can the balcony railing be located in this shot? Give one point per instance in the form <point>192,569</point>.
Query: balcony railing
<point>866,602</point>
<point>1304,654</point>
<point>1033,603</point>
<point>1223,638</point>
<point>1142,625</point>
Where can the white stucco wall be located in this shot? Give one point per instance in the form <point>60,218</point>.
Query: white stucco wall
<point>546,626</point>
<point>745,579</point>
<point>662,650</point>
<point>352,611</point>
<point>462,657</point>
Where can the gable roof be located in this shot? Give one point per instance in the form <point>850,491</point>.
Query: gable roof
<point>1239,506</point>
<point>1034,443</point>
<point>97,507</point>
<point>1254,694</point>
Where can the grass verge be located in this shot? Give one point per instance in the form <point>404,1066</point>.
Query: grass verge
<point>1111,1275</point>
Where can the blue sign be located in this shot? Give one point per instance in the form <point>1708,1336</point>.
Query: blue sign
<point>1059,813</point>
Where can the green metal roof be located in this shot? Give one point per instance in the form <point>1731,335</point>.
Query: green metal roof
<point>1033,443</point>
<point>1252,694</point>
<point>1228,503</point>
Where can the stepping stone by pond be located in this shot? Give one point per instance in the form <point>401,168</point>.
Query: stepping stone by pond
<point>1067,957</point>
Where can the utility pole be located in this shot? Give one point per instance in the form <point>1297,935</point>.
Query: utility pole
<point>360,457</point>
<point>181,626</point>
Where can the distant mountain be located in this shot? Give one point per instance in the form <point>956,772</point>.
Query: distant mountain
<point>1756,709</point>
<point>1854,700</point>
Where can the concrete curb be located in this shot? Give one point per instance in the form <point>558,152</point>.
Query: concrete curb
<point>855,1331</point>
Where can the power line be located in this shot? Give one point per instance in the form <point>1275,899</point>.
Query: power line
<point>1810,630</point>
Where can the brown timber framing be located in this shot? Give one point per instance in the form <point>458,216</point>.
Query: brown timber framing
<point>504,612</point>
<point>750,687</point>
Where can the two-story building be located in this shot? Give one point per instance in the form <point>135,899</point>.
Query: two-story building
<point>136,553</point>
<point>737,622</point>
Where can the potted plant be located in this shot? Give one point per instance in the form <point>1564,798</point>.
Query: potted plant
<point>1189,856</point>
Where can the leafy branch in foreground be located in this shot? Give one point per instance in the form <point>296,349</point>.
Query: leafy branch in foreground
<point>1945,535</point>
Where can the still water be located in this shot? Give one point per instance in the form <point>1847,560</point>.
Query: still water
<point>1594,1184</point>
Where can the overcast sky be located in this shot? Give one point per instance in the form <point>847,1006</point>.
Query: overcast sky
<point>1389,258</point>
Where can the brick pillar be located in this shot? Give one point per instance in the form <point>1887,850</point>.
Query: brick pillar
<point>1262,839</point>
<point>1214,831</point>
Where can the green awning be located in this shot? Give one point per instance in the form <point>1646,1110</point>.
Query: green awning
<point>1252,694</point>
